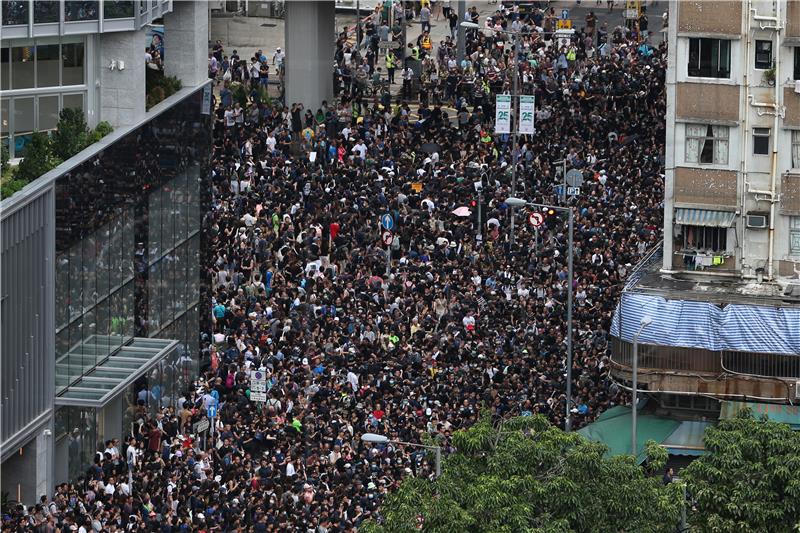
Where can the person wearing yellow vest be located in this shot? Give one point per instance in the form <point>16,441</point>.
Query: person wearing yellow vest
<point>571,54</point>
<point>391,64</point>
<point>414,51</point>
<point>425,45</point>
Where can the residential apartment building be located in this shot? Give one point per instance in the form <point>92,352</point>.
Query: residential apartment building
<point>723,291</point>
<point>89,55</point>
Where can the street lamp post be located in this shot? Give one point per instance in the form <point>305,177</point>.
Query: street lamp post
<point>514,114</point>
<point>646,321</point>
<point>383,439</point>
<point>519,202</point>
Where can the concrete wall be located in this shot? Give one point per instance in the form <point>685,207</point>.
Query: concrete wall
<point>122,92</point>
<point>710,17</point>
<point>309,52</point>
<point>186,42</point>
<point>709,101</point>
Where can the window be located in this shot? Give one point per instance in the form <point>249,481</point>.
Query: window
<point>709,58</point>
<point>764,55</point>
<point>761,141</point>
<point>73,101</point>
<point>48,112</point>
<point>23,123</point>
<point>117,9</point>
<point>706,144</point>
<point>45,11</point>
<point>15,12</point>
<point>796,149</point>
<point>794,235</point>
<point>705,238</point>
<point>22,59</point>
<point>47,58</point>
<point>76,11</point>
<point>796,63</point>
<point>5,68</point>
<point>72,57</point>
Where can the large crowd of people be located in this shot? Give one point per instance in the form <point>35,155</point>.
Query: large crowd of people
<point>411,336</point>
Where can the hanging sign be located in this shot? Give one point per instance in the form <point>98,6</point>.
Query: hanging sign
<point>502,116</point>
<point>526,114</point>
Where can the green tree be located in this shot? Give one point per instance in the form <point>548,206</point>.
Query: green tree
<point>525,475</point>
<point>5,157</point>
<point>37,158</point>
<point>71,135</point>
<point>750,480</point>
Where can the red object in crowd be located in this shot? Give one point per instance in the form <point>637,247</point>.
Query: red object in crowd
<point>334,230</point>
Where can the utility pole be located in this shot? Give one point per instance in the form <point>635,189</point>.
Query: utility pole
<point>515,129</point>
<point>461,44</point>
<point>570,280</point>
<point>563,195</point>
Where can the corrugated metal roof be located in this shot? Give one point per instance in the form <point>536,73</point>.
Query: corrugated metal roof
<point>687,439</point>
<point>704,217</point>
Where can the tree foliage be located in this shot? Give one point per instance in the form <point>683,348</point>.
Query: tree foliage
<point>71,135</point>
<point>38,159</point>
<point>750,480</point>
<point>525,475</point>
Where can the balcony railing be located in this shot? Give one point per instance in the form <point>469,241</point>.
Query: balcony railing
<point>673,358</point>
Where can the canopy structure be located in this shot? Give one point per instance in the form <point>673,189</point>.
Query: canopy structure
<point>613,428</point>
<point>787,414</point>
<point>694,324</point>
<point>704,217</point>
<point>687,439</point>
<point>100,384</point>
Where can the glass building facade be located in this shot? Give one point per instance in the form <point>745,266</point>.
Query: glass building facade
<point>38,78</point>
<point>128,249</point>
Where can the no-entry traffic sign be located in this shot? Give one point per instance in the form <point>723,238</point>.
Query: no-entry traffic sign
<point>386,237</point>
<point>536,219</point>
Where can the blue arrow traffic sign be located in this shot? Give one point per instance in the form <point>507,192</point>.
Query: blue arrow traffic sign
<point>212,412</point>
<point>387,221</point>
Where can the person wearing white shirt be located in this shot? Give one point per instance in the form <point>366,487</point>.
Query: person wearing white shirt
<point>360,149</point>
<point>352,379</point>
<point>110,488</point>
<point>131,453</point>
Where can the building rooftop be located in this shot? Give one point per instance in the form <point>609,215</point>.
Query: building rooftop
<point>648,278</point>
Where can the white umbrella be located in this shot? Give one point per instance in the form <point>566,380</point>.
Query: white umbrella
<point>462,211</point>
<point>493,222</point>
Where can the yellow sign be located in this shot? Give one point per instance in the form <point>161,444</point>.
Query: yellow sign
<point>564,24</point>
<point>416,186</point>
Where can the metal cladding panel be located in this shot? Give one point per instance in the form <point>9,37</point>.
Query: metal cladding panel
<point>26,315</point>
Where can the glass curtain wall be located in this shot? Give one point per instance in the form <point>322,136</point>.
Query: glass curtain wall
<point>38,79</point>
<point>128,242</point>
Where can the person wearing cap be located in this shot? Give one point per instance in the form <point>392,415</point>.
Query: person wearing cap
<point>278,57</point>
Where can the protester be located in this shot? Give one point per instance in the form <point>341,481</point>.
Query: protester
<point>455,324</point>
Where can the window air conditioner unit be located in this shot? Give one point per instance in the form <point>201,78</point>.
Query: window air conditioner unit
<point>757,221</point>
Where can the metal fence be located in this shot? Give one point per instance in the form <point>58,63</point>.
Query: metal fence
<point>699,360</point>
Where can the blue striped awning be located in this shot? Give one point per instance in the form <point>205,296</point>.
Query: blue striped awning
<point>704,217</point>
<point>692,324</point>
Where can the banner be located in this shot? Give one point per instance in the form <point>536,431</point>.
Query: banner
<point>526,114</point>
<point>502,114</point>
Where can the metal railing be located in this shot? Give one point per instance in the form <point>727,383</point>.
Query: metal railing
<point>674,358</point>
